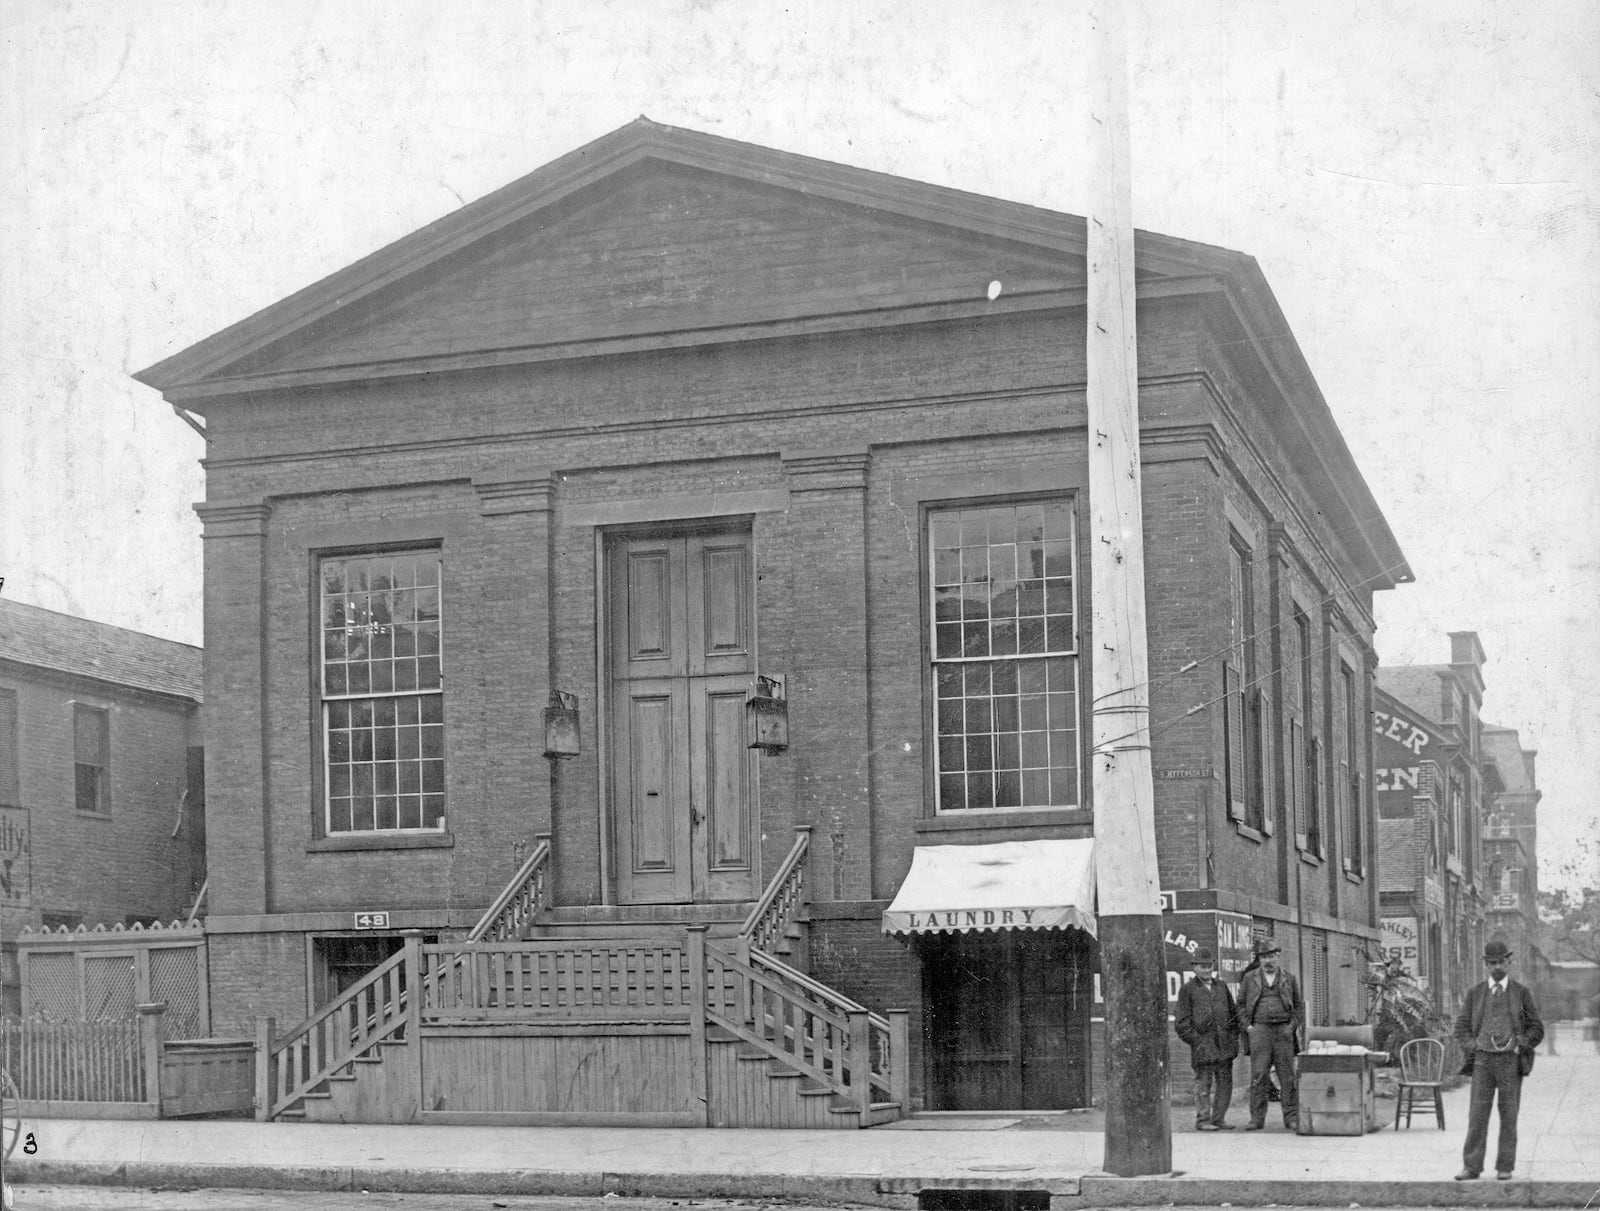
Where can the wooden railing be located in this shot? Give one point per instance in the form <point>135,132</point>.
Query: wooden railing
<point>780,904</point>
<point>365,1015</point>
<point>559,980</point>
<point>809,1027</point>
<point>523,898</point>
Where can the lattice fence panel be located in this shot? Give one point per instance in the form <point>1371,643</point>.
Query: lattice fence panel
<point>53,987</point>
<point>175,979</point>
<point>110,987</point>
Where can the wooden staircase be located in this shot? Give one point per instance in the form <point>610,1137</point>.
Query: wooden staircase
<point>776,1048</point>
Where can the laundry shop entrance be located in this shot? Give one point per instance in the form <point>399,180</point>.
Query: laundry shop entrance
<point>1004,935</point>
<point>1006,1019</point>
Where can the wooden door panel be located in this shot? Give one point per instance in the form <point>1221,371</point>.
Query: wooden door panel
<point>648,624</point>
<point>723,778</point>
<point>719,605</point>
<point>653,796</point>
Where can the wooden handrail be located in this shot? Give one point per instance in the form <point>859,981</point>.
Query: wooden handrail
<point>820,992</point>
<point>815,1031</point>
<point>339,1002</point>
<point>777,884</point>
<point>339,1033</point>
<point>502,918</point>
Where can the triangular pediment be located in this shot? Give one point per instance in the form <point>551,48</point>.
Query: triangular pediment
<point>665,249</point>
<point>654,237</point>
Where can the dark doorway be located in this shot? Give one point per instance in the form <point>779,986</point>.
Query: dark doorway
<point>339,963</point>
<point>1006,1020</point>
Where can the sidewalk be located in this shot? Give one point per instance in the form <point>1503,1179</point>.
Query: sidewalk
<point>1558,1159</point>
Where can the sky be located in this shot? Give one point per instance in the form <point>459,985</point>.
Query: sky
<point>1420,182</point>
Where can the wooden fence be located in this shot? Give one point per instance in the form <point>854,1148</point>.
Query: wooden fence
<point>123,1068</point>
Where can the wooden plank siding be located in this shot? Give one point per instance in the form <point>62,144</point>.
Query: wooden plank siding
<point>594,1074</point>
<point>742,1091</point>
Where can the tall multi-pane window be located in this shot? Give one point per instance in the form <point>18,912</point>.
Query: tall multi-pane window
<point>382,692</point>
<point>1243,707</point>
<point>91,757</point>
<point>1003,617</point>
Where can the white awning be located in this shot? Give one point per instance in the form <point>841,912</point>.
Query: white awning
<point>1009,885</point>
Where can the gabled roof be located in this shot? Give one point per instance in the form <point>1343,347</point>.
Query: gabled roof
<point>1046,248</point>
<point>1417,686</point>
<point>62,643</point>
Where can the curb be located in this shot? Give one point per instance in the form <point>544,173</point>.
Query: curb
<point>874,1190</point>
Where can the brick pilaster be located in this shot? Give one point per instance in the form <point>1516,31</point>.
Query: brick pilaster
<point>829,721</point>
<point>236,652</point>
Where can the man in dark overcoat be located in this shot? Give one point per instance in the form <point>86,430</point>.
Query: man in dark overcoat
<point>1272,1011</point>
<point>1208,1020</point>
<point>1499,1030</point>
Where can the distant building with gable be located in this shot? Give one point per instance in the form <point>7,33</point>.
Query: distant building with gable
<point>102,785</point>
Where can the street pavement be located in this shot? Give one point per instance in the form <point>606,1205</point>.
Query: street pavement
<point>1558,1158</point>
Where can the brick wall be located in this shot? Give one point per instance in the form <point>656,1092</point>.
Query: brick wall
<point>255,975</point>
<point>126,862</point>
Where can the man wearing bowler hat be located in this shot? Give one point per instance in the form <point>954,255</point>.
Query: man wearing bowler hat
<point>1499,1031</point>
<point>1208,1021</point>
<point>1271,1008</point>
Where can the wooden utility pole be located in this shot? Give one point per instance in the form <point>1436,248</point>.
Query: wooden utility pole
<point>1132,956</point>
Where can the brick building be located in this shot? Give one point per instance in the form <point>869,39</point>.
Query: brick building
<point>675,411</point>
<point>102,818</point>
<point>1433,775</point>
<point>1511,850</point>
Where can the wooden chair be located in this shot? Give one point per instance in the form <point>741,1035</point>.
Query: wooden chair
<point>1421,1075</point>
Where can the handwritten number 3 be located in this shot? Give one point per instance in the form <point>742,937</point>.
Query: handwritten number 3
<point>30,1145</point>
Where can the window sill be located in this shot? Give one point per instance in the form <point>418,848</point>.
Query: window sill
<point>1352,874</point>
<point>83,815</point>
<point>1002,819</point>
<point>343,844</point>
<point>1310,856</point>
<point>1249,833</point>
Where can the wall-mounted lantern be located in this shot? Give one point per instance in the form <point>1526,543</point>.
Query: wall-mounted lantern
<point>766,712</point>
<point>561,725</point>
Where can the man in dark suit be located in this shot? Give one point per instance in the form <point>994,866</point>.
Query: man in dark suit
<point>1208,1021</point>
<point>1272,1010</point>
<point>1499,1031</point>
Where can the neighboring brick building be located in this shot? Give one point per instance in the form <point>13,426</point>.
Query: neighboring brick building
<point>102,818</point>
<point>1511,850</point>
<point>1431,778</point>
<point>674,410</point>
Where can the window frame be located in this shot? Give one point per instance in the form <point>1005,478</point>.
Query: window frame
<point>1353,780</point>
<point>933,511</point>
<point>10,748</point>
<point>1308,760</point>
<point>1246,709</point>
<point>348,835</point>
<point>102,798</point>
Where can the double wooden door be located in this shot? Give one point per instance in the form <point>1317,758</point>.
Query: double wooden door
<point>1007,1020</point>
<point>681,648</point>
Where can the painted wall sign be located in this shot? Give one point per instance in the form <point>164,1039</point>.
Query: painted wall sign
<point>1399,749</point>
<point>16,858</point>
<point>1401,940</point>
<point>1226,933</point>
<point>372,920</point>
